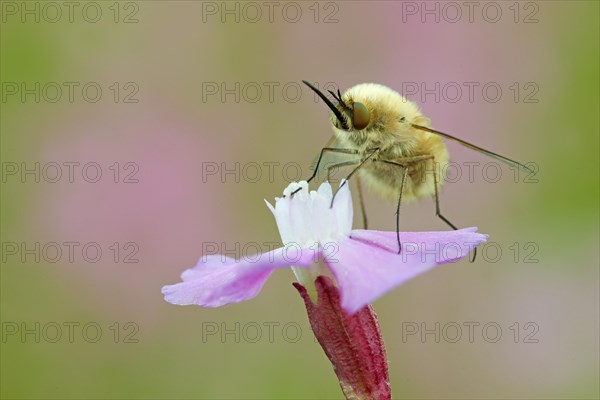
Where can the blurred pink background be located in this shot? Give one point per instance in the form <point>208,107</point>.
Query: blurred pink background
<point>546,275</point>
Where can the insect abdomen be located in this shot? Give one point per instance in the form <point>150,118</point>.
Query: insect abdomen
<point>386,179</point>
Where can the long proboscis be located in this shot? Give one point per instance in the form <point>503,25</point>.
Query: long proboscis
<point>477,148</point>
<point>333,108</point>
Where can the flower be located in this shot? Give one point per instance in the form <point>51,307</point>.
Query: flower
<point>319,240</point>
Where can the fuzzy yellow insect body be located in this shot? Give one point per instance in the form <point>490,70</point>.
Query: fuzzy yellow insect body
<point>389,128</point>
<point>390,144</point>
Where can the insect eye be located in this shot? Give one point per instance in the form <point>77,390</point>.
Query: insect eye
<point>360,116</point>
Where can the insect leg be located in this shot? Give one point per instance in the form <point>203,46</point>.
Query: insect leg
<point>398,210</point>
<point>342,164</point>
<point>438,213</point>
<point>361,201</point>
<point>358,183</point>
<point>404,174</point>
<point>437,206</point>
<point>323,150</point>
<point>412,160</point>
<point>352,173</point>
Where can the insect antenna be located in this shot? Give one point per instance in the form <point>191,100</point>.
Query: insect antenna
<point>338,97</point>
<point>329,104</point>
<point>335,96</point>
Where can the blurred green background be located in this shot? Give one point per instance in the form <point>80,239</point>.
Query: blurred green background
<point>157,124</point>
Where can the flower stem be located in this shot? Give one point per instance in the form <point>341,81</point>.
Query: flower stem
<point>352,343</point>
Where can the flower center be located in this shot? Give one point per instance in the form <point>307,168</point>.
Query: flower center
<point>307,218</point>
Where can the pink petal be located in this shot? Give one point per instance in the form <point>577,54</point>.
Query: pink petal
<point>205,265</point>
<point>368,265</point>
<point>217,280</point>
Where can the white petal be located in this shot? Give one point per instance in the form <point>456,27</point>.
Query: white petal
<point>308,218</point>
